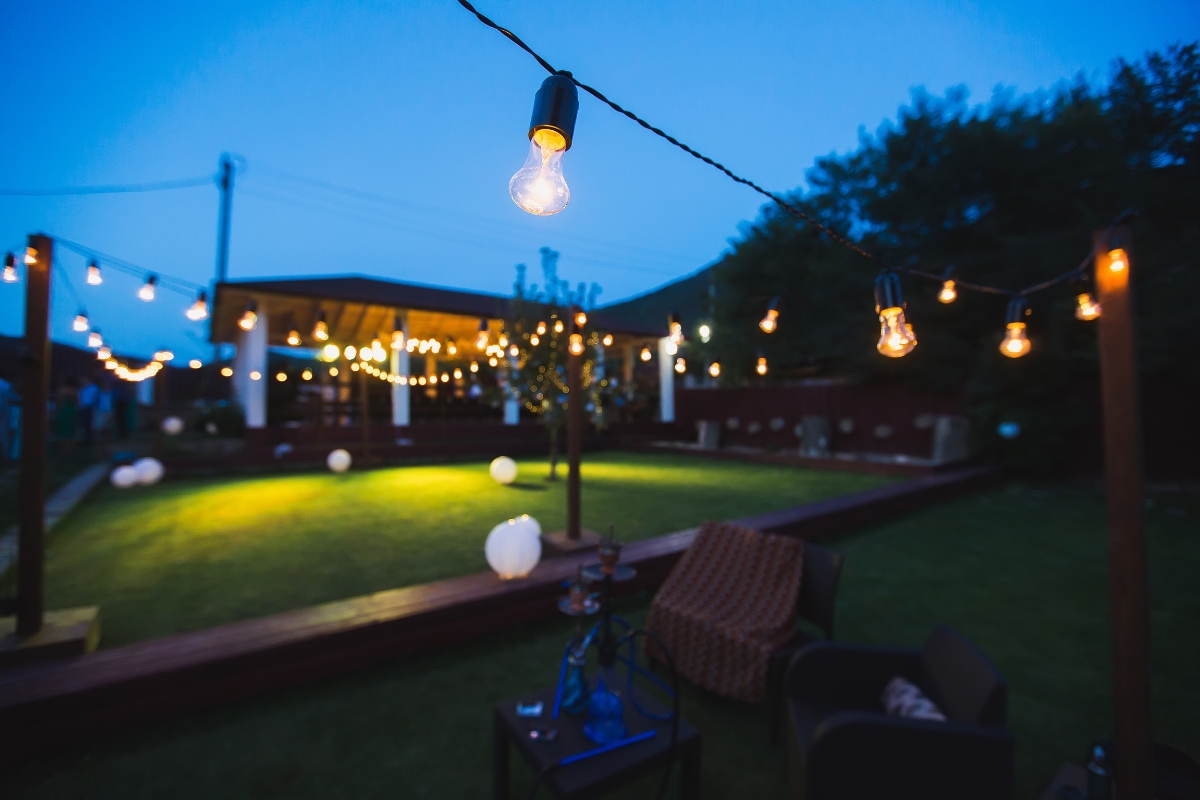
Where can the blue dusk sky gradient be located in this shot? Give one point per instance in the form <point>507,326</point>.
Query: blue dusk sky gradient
<point>418,103</point>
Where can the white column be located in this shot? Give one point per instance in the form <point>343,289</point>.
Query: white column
<point>249,361</point>
<point>666,381</point>
<point>400,414</point>
<point>512,408</point>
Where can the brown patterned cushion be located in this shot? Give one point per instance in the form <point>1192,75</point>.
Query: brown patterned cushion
<point>727,605</point>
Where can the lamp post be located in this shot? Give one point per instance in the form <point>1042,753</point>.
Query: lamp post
<point>574,426</point>
<point>1126,534</point>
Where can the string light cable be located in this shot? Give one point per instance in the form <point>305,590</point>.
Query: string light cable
<point>155,186</point>
<point>780,201</point>
<point>178,285</point>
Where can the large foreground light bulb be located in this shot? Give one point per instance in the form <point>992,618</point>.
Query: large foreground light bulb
<point>539,186</point>
<point>1015,343</point>
<point>896,337</point>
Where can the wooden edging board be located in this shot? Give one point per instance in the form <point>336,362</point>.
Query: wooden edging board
<point>46,706</point>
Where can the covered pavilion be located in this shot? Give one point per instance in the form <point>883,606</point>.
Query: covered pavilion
<point>429,347</point>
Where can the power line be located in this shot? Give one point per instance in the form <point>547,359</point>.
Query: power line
<point>156,186</point>
<point>794,210</point>
<point>178,285</point>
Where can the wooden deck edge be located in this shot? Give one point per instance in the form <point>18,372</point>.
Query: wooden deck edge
<point>915,468</point>
<point>47,706</point>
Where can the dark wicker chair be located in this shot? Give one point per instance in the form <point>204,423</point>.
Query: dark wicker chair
<point>842,745</point>
<point>818,590</point>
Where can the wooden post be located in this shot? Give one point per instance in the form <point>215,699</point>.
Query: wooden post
<point>574,432</point>
<point>31,542</point>
<point>364,412</point>
<point>1126,536</point>
<point>160,406</point>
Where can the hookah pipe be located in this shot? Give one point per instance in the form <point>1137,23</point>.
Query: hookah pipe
<point>608,656</point>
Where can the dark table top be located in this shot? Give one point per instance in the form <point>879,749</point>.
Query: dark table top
<point>599,773</point>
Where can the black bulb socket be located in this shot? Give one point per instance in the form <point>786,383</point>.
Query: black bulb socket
<point>887,292</point>
<point>555,107</point>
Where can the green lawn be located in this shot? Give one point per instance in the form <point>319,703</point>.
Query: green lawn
<point>1020,570</point>
<point>189,554</point>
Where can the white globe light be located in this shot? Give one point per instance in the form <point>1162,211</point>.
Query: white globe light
<point>172,426</point>
<point>339,460</point>
<point>514,547</point>
<point>149,471</point>
<point>503,470</point>
<point>123,477</point>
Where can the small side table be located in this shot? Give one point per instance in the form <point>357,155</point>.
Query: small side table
<point>598,774</point>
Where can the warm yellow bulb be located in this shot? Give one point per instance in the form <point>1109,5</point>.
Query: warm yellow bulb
<point>558,326</point>
<point>10,274</point>
<point>333,372</point>
<point>95,339</point>
<point>948,293</point>
<point>457,374</point>
<point>248,321</point>
<point>761,366</point>
<point>226,372</point>
<point>492,361</point>
<point>30,255</point>
<point>608,340</point>
<point>147,293</point>
<point>321,331</point>
<point>350,352</point>
<point>110,364</point>
<point>680,366</point>
<point>896,337</point>
<point>534,340</point>
<point>451,348</point>
<point>256,375</point>
<point>197,310</point>
<point>474,366</point>
<point>541,329</point>
<point>714,369</point>
<point>581,319</point>
<point>104,353</point>
<point>163,355</point>
<point>422,381</point>
<point>576,345</point>
<point>195,363</point>
<point>354,367</point>
<point>331,352</point>
<point>1117,260</point>
<point>1087,308</point>
<point>293,337</point>
<point>445,377</point>
<point>281,376</point>
<point>93,275</point>
<point>1015,343</point>
<point>306,375</point>
<point>514,351</point>
<point>646,354</point>
<point>81,323</point>
<point>769,322</point>
<point>539,186</point>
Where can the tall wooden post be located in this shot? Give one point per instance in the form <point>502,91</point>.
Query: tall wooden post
<point>31,541</point>
<point>574,432</point>
<point>364,412</point>
<point>1126,535</point>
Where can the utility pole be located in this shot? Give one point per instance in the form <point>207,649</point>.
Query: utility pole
<point>225,182</point>
<point>31,542</point>
<point>1126,534</point>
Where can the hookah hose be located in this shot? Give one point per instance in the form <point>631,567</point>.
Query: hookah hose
<point>630,637</point>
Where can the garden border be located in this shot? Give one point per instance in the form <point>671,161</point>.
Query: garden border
<point>46,706</point>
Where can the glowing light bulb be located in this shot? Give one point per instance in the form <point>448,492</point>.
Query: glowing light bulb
<point>199,309</point>
<point>514,351</point>
<point>646,354</point>
<point>163,355</point>
<point>350,352</point>
<point>769,322</point>
<point>534,340</point>
<point>948,294</point>
<point>281,376</point>
<point>31,255</point>
<point>331,352</point>
<point>81,322</point>
<point>474,366</point>
<point>10,268</point>
<point>674,330</point>
<point>761,366</point>
<point>354,367</point>
<point>104,353</point>
<point>293,337</point>
<point>541,329</point>
<point>1015,343</point>
<point>481,341</point>
<point>680,366</point>
<point>451,348</point>
<point>195,363</point>
<point>558,326</point>
<point>146,293</point>
<point>110,364</point>
<point>321,328</point>
<point>445,377</point>
<point>492,361</point>
<point>226,372</point>
<point>581,319</point>
<point>333,372</point>
<point>576,345</point>
<point>377,351</point>
<point>714,369</point>
<point>705,333</point>
<point>608,340</point>
<point>95,339</point>
<point>896,337</point>
<point>93,274</point>
<point>671,348</point>
<point>249,318</point>
<point>1117,260</point>
<point>457,374</point>
<point>539,186</point>
<point>1087,308</point>
<point>502,341</point>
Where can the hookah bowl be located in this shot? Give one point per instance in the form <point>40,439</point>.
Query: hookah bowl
<point>606,713</point>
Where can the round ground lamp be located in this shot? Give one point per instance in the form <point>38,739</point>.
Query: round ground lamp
<point>338,461</point>
<point>503,470</point>
<point>513,548</point>
<point>149,471</point>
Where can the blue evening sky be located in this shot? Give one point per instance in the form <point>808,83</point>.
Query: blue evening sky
<point>420,104</point>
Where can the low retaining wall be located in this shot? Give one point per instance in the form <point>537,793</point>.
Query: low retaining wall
<point>46,706</point>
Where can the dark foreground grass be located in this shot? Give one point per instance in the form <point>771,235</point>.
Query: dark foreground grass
<point>1021,571</point>
<point>189,554</point>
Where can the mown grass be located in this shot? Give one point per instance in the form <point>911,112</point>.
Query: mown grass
<point>189,554</point>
